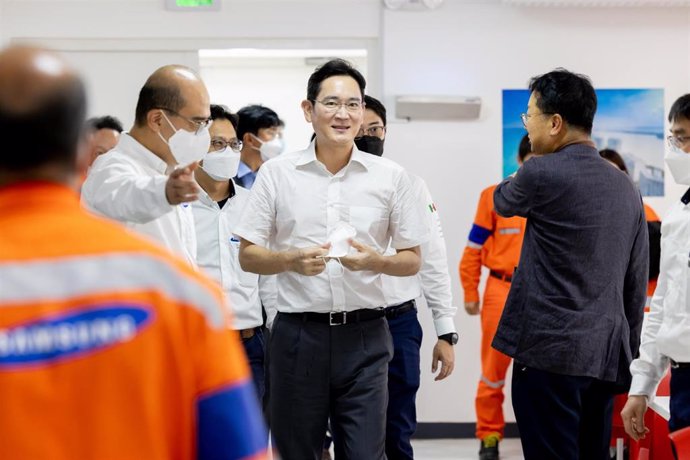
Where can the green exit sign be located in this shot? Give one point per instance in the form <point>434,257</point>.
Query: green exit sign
<point>193,5</point>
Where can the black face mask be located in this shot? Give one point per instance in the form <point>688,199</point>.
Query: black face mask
<point>370,144</point>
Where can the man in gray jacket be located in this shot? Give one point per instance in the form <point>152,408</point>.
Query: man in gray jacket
<point>573,317</point>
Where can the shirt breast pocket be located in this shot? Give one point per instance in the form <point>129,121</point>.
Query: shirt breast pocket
<point>371,223</point>
<point>246,279</point>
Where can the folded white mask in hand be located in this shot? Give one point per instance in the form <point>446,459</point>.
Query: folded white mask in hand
<point>340,239</point>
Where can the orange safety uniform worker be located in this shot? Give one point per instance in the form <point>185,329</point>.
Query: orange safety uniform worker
<point>494,242</point>
<point>110,348</point>
<point>654,230</point>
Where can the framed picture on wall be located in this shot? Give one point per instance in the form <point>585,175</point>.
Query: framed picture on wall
<point>629,121</point>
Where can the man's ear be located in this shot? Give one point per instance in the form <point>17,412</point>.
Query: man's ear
<point>155,120</point>
<point>250,141</point>
<point>307,108</point>
<point>557,124</point>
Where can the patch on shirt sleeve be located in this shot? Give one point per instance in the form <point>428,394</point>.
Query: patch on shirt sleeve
<point>432,207</point>
<point>70,335</point>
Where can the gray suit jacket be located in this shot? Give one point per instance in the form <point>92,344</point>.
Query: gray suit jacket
<point>577,298</point>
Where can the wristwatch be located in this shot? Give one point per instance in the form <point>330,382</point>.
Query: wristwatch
<point>451,337</point>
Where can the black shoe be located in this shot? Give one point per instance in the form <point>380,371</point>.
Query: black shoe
<point>488,448</point>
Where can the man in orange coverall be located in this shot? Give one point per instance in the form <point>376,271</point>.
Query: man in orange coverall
<point>110,348</point>
<point>494,242</point>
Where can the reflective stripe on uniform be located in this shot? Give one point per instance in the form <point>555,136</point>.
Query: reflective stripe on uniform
<point>66,278</point>
<point>488,382</point>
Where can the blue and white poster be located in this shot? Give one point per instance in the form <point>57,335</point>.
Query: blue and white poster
<point>629,121</point>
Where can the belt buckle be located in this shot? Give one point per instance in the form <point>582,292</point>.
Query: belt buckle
<point>333,322</point>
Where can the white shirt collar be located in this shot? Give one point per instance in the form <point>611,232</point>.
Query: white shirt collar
<point>308,156</point>
<point>132,147</point>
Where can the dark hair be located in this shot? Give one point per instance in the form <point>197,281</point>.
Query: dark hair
<point>154,95</point>
<point>525,148</point>
<point>333,68</point>
<point>680,109</point>
<point>221,112</point>
<point>568,94</point>
<point>615,158</point>
<point>54,128</point>
<point>375,105</point>
<point>252,118</point>
<point>104,122</point>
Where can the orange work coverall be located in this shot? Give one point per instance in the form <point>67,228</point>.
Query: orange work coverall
<point>495,243</point>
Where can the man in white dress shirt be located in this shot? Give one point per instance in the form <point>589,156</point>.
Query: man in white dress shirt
<point>432,281</point>
<point>321,219</point>
<point>147,181</point>
<point>216,213</point>
<point>666,330</point>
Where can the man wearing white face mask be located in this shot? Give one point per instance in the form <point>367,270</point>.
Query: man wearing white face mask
<point>666,331</point>
<point>216,214</point>
<point>148,179</point>
<point>260,131</point>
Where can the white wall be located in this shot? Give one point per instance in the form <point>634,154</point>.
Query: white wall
<point>473,48</point>
<point>478,49</point>
<point>118,43</point>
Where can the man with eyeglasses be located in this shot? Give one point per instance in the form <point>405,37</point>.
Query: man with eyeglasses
<point>261,133</point>
<point>320,219</point>
<point>574,312</point>
<point>147,181</point>
<point>666,332</point>
<point>433,282</point>
<point>216,214</point>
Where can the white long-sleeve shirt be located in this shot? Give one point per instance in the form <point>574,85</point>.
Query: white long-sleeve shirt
<point>218,255</point>
<point>128,185</point>
<point>433,279</point>
<point>666,329</point>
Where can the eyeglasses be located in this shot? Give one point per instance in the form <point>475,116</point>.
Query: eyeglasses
<point>376,131</point>
<point>218,143</point>
<point>199,124</point>
<point>332,105</point>
<point>678,141</point>
<point>526,116</point>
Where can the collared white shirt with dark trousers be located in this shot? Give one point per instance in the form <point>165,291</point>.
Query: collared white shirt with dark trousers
<point>330,344</point>
<point>432,282</point>
<point>218,257</point>
<point>573,317</point>
<point>666,332</point>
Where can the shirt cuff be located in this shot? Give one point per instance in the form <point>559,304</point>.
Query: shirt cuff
<point>472,296</point>
<point>642,385</point>
<point>444,326</point>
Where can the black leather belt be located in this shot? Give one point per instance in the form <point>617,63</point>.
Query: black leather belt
<point>676,365</point>
<point>396,310</point>
<point>501,276</point>
<point>339,318</point>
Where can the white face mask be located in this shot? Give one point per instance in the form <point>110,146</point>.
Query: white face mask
<point>270,149</point>
<point>679,163</point>
<point>187,147</point>
<point>221,165</point>
<point>340,239</point>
